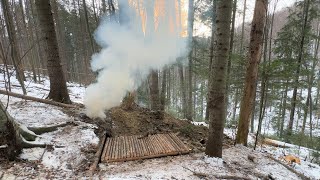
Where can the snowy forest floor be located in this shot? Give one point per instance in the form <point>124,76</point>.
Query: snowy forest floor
<point>74,147</point>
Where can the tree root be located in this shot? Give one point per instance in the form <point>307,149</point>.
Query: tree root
<point>29,134</point>
<point>46,129</point>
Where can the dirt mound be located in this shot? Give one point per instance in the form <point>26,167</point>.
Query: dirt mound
<point>143,121</point>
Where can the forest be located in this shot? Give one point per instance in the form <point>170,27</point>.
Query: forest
<point>159,89</point>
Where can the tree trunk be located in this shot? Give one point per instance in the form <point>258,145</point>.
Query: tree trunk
<point>154,90</point>
<point>163,89</point>
<point>87,25</point>
<point>297,73</point>
<point>217,90</point>
<point>60,37</point>
<point>190,73</point>
<point>256,40</point>
<point>15,135</point>
<point>13,43</point>
<point>58,87</point>
<point>243,23</point>
<point>234,11</point>
<point>32,56</point>
<point>284,108</point>
<point>104,6</point>
<point>213,28</point>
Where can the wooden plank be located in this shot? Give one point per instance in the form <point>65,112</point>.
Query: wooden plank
<point>148,150</point>
<point>105,150</point>
<point>149,144</point>
<point>154,144</point>
<point>166,144</point>
<point>126,148</point>
<point>131,147</point>
<point>121,148</point>
<point>111,149</point>
<point>178,141</point>
<point>114,152</point>
<point>172,143</point>
<point>161,146</point>
<point>137,146</point>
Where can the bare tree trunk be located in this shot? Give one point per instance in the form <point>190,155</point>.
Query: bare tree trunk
<point>88,26</point>
<point>213,28</point>
<point>29,39</point>
<point>104,6</point>
<point>256,40</point>
<point>284,108</point>
<point>243,23</point>
<point>190,73</point>
<point>217,90</point>
<point>94,11</point>
<point>163,89</point>
<point>154,90</point>
<point>234,11</point>
<point>314,64</point>
<point>297,73</point>
<point>58,87</point>
<point>264,80</point>
<point>13,43</point>
<point>60,38</point>
<point>35,23</point>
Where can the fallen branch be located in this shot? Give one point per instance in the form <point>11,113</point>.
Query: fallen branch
<point>45,101</point>
<point>97,156</point>
<point>288,167</point>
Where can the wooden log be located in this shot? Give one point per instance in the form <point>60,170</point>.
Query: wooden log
<point>275,143</point>
<point>97,156</point>
<point>45,101</point>
<point>106,150</point>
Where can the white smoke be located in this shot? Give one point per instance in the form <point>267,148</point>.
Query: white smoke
<point>126,59</point>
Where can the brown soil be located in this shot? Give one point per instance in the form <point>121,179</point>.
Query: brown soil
<point>143,121</point>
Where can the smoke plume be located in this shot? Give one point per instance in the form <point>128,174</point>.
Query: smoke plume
<point>126,58</point>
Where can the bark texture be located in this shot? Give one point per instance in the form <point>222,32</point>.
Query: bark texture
<point>16,58</point>
<point>58,86</point>
<point>254,54</point>
<point>217,89</point>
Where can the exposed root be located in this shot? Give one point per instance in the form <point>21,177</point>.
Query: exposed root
<point>46,129</point>
<point>29,144</point>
